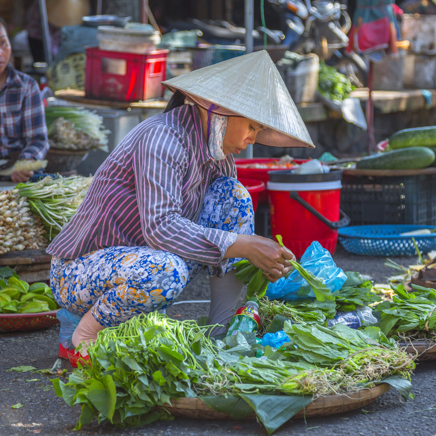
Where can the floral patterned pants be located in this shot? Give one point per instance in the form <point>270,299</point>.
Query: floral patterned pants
<point>119,283</point>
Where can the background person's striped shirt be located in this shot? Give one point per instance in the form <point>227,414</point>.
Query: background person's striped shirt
<point>150,191</point>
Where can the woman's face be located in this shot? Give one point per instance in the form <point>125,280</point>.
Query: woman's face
<point>5,50</point>
<point>239,133</point>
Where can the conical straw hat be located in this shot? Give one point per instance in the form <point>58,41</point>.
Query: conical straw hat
<point>249,86</point>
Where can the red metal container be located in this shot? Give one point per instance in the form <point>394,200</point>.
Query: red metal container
<point>120,76</point>
<point>306,208</point>
<point>255,188</point>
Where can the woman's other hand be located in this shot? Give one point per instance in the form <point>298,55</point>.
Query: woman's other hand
<point>21,176</point>
<point>263,253</point>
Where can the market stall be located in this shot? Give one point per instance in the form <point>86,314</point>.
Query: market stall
<point>318,341</point>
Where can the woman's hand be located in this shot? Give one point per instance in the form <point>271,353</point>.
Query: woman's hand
<point>21,176</point>
<point>263,253</point>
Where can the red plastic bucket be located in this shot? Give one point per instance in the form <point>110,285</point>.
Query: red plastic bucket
<point>260,174</point>
<point>255,188</point>
<point>306,208</point>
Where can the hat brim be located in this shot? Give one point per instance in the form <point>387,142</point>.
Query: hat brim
<point>270,136</point>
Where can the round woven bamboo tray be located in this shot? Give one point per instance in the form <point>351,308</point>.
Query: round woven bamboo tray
<point>64,160</point>
<point>324,406</point>
<point>26,322</point>
<point>424,350</point>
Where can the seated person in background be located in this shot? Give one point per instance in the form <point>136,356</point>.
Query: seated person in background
<point>22,120</point>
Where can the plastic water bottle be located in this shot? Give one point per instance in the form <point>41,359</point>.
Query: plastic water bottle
<point>362,316</point>
<point>246,318</point>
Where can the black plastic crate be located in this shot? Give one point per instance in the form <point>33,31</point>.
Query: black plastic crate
<point>389,200</point>
<point>262,222</point>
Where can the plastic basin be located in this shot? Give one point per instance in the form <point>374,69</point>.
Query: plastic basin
<point>260,174</point>
<point>255,188</point>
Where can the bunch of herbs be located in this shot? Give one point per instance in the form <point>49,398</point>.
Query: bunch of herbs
<point>410,313</point>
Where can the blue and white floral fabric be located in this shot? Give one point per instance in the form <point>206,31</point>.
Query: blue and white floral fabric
<point>119,283</point>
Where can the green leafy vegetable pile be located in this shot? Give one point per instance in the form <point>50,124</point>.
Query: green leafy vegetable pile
<point>413,313</point>
<point>302,311</point>
<point>141,365</point>
<point>332,84</point>
<point>16,296</point>
<point>136,366</point>
<point>366,355</point>
<point>355,292</point>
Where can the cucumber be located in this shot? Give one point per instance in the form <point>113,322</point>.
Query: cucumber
<point>416,137</point>
<point>433,149</point>
<point>405,159</point>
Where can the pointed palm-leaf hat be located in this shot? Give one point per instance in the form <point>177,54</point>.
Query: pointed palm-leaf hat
<point>248,86</point>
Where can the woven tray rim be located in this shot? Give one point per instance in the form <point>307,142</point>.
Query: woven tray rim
<point>390,237</point>
<point>28,315</point>
<point>414,346</point>
<point>323,406</point>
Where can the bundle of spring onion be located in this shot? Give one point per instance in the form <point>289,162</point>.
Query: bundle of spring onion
<point>55,201</point>
<point>75,129</point>
<point>20,165</point>
<point>19,229</point>
<point>151,359</point>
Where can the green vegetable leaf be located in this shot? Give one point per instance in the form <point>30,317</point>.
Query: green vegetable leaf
<point>111,393</point>
<point>322,293</point>
<point>6,272</point>
<point>233,406</point>
<point>22,368</point>
<point>102,395</point>
<point>86,416</point>
<point>159,378</point>
<point>17,406</point>
<point>196,344</point>
<point>402,385</point>
<point>275,410</point>
<point>64,391</point>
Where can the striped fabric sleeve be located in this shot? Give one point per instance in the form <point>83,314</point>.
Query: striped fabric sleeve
<point>160,162</point>
<point>34,132</point>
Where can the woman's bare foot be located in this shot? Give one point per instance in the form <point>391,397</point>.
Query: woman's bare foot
<point>86,332</point>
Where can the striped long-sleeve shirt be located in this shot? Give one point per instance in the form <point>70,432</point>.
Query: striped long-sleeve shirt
<point>150,191</point>
<point>22,126</point>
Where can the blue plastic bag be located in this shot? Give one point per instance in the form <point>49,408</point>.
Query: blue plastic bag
<point>320,263</point>
<point>362,316</point>
<point>275,340</point>
<point>69,322</point>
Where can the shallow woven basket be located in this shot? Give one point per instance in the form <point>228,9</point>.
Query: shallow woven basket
<point>64,160</point>
<point>424,350</point>
<point>26,322</point>
<point>324,406</point>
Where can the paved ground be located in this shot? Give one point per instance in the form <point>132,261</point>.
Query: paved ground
<point>43,413</point>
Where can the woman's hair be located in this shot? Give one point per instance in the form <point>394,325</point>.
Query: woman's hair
<point>4,25</point>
